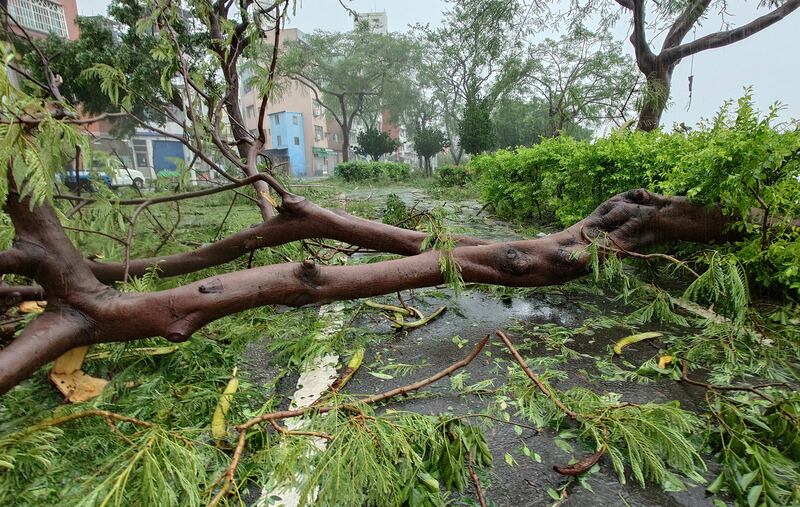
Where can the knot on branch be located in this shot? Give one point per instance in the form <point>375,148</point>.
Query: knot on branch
<point>515,261</point>
<point>292,204</point>
<point>213,286</point>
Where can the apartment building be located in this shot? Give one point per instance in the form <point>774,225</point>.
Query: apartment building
<point>40,18</point>
<point>377,22</point>
<point>295,122</point>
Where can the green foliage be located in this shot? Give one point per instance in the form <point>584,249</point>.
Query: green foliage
<point>454,175</point>
<point>136,55</point>
<point>653,440</point>
<point>476,132</point>
<point>397,213</point>
<point>375,143</point>
<point>372,171</point>
<point>359,71</point>
<point>398,458</point>
<point>524,122</point>
<point>34,153</point>
<point>722,285</point>
<point>474,54</point>
<point>428,141</point>
<point>740,160</point>
<point>583,78</point>
<point>758,442</point>
<point>157,469</point>
<point>440,238</point>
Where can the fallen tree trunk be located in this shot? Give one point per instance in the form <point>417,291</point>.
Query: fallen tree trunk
<point>82,311</point>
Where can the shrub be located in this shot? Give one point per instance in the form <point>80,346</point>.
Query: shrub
<point>454,175</point>
<point>738,160</point>
<point>365,171</point>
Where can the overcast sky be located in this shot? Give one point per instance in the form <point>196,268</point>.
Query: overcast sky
<point>769,60</point>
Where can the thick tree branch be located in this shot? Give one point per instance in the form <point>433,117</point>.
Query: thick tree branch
<point>632,221</point>
<point>645,58</point>
<point>15,293</point>
<point>684,23</point>
<point>49,336</point>
<point>81,311</point>
<point>299,219</point>
<point>720,39</point>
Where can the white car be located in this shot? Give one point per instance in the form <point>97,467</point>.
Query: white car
<point>122,178</point>
<point>128,178</point>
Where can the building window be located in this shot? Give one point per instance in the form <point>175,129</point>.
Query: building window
<point>319,134</point>
<point>277,120</point>
<point>334,137</point>
<point>140,150</point>
<point>280,142</point>
<point>297,141</point>
<point>39,15</point>
<point>294,120</point>
<point>316,108</point>
<point>251,111</point>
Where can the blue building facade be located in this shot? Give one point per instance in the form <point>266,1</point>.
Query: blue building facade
<point>287,133</point>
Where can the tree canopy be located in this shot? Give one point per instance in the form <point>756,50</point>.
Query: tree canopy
<point>347,71</point>
<point>375,143</point>
<point>428,141</point>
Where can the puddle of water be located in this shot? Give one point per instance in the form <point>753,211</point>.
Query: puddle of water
<point>525,484</point>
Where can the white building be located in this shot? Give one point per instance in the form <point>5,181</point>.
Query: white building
<point>377,21</point>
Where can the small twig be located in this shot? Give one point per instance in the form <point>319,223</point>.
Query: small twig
<point>535,378</point>
<point>636,255</point>
<point>271,181</point>
<point>228,475</point>
<point>476,482</point>
<point>713,387</point>
<point>285,414</point>
<point>283,431</point>
<point>105,414</point>
<point>88,231</point>
<point>171,233</point>
<point>224,219</point>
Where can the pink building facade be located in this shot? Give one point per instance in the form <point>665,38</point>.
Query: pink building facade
<point>43,17</point>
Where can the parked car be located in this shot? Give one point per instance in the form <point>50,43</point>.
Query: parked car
<point>123,178</point>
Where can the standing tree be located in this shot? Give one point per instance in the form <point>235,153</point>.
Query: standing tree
<point>347,72</point>
<point>678,19</point>
<point>476,132</point>
<point>583,78</point>
<point>199,48</point>
<point>520,121</point>
<point>375,143</point>
<point>478,54</point>
<point>429,141</point>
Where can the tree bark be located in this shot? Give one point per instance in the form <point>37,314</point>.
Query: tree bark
<point>345,144</point>
<point>81,311</point>
<point>658,68</point>
<point>655,99</point>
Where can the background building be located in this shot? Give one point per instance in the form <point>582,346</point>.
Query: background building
<point>376,21</point>
<point>43,17</point>
<point>294,116</point>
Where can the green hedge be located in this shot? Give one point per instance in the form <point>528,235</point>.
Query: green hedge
<point>727,161</point>
<point>454,175</point>
<point>364,171</point>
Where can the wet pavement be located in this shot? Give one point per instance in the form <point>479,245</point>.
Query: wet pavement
<point>474,314</point>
